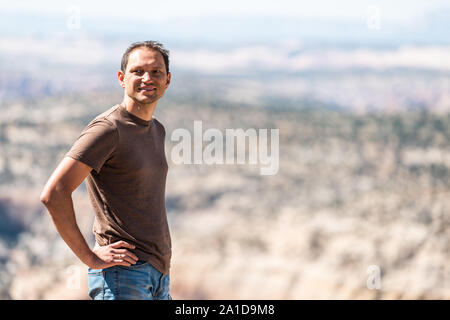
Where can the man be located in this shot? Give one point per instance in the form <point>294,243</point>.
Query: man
<point>121,155</point>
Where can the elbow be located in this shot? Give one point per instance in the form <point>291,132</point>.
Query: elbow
<point>47,196</point>
<point>50,196</point>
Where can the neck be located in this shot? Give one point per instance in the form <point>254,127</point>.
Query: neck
<point>141,110</point>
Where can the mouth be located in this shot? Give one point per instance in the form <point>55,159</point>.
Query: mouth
<point>146,89</point>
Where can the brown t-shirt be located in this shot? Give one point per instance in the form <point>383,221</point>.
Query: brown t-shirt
<point>127,183</point>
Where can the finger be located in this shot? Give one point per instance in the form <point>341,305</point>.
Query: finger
<point>125,251</point>
<point>108,265</point>
<point>124,257</point>
<point>121,244</point>
<point>129,259</point>
<point>131,256</point>
<point>121,262</point>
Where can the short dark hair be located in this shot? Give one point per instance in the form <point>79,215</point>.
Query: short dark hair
<point>153,45</point>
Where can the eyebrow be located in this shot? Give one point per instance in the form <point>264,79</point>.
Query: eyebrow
<point>158,66</point>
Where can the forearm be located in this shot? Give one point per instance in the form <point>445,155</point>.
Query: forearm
<point>60,207</point>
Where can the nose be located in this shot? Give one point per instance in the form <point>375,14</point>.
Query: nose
<point>146,77</point>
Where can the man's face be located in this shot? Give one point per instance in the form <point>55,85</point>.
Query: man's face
<point>145,79</point>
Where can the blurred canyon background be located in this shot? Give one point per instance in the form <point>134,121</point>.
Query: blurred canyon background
<point>360,93</point>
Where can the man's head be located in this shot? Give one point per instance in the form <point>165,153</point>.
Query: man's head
<point>153,45</point>
<point>144,71</point>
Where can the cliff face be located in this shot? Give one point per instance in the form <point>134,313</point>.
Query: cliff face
<point>359,208</point>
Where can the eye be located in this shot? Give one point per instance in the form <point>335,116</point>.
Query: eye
<point>138,72</point>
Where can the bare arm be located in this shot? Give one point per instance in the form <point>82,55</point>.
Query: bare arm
<point>57,197</point>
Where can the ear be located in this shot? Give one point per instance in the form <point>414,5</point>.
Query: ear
<point>121,76</point>
<point>168,79</point>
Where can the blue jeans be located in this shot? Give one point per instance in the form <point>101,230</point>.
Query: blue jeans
<point>136,282</point>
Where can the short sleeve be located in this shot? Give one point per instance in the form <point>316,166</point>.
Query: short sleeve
<point>96,144</point>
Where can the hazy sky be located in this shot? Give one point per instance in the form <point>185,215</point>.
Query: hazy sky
<point>393,10</point>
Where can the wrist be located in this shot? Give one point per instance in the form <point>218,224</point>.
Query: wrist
<point>89,259</point>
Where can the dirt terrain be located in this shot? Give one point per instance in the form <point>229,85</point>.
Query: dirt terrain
<point>359,208</point>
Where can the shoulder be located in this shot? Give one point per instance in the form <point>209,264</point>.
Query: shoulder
<point>159,125</point>
<point>108,118</point>
<point>105,121</point>
<point>102,128</point>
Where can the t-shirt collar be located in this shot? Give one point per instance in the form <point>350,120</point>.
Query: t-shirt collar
<point>133,117</point>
